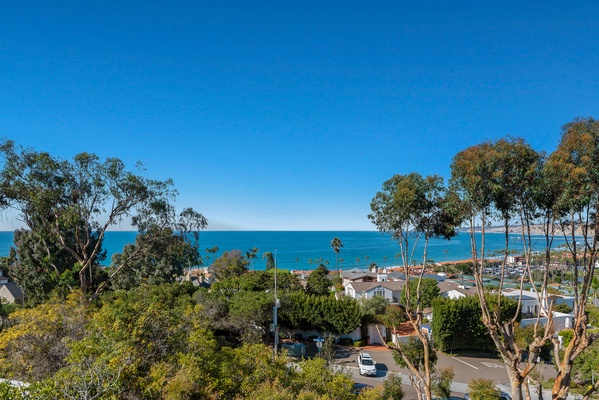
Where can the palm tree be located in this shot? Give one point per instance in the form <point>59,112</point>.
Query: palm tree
<point>251,254</point>
<point>270,260</point>
<point>212,250</point>
<point>336,244</point>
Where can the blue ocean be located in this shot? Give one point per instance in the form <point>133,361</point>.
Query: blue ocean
<point>301,250</point>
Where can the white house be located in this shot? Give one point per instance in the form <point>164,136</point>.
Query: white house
<point>531,308</point>
<point>358,275</point>
<point>454,291</point>
<point>561,321</point>
<point>530,300</point>
<point>367,290</point>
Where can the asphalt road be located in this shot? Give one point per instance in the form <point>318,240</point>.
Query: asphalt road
<point>465,369</point>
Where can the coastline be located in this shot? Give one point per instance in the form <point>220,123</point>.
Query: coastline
<point>536,230</point>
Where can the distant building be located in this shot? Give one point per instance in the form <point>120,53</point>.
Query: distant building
<point>454,291</point>
<point>367,290</point>
<point>11,293</point>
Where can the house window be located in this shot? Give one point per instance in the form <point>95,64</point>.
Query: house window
<point>379,292</point>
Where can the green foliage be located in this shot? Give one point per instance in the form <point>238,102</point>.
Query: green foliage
<point>420,295</point>
<point>586,366</point>
<point>457,325</point>
<point>230,265</point>
<point>250,313</point>
<point>39,265</point>
<point>525,336</point>
<point>413,349</point>
<point>261,281</point>
<point>441,385</point>
<point>563,308</point>
<point>321,313</point>
<point>568,335</point>
<point>327,350</point>
<point>393,387</point>
<point>393,316</point>
<point>270,260</point>
<point>315,377</point>
<point>163,256</point>
<point>152,342</point>
<point>371,393</point>
<point>465,268</point>
<point>359,343</point>
<point>483,389</point>
<point>336,244</point>
<point>372,308</point>
<point>68,206</point>
<point>593,315</point>
<point>35,346</point>
<point>134,339</point>
<point>411,205</point>
<point>318,282</point>
<point>44,390</point>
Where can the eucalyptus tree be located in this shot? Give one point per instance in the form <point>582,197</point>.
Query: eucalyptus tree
<point>212,250</point>
<point>336,244</point>
<point>500,179</point>
<point>41,266</point>
<point>230,265</point>
<point>413,208</point>
<point>164,252</point>
<point>83,197</point>
<point>518,183</point>
<point>576,162</point>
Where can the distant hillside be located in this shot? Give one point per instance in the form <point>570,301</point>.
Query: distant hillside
<point>517,229</point>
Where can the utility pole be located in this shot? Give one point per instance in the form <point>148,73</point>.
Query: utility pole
<point>274,323</point>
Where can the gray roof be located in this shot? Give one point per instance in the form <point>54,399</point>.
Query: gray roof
<point>357,273</point>
<point>367,286</point>
<point>11,288</point>
<point>446,286</point>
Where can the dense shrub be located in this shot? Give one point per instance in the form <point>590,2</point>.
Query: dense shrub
<point>457,324</point>
<point>593,314</point>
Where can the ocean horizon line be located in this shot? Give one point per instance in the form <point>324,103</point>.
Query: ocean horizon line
<point>305,250</point>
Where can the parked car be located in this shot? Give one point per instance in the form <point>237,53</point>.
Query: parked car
<point>366,364</point>
<point>360,387</point>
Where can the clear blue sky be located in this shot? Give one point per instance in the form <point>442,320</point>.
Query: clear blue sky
<point>290,115</point>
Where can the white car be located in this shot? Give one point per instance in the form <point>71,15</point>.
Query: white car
<point>366,364</point>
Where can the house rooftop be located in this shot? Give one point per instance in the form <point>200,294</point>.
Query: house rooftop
<point>13,289</point>
<point>365,286</point>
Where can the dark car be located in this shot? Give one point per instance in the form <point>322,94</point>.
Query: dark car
<point>359,387</point>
